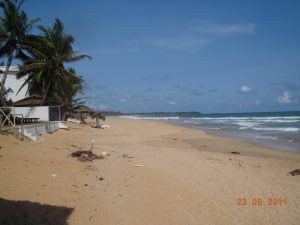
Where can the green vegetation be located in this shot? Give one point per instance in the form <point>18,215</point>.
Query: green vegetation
<point>43,56</point>
<point>14,30</point>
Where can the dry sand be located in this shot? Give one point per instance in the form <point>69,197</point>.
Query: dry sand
<point>187,177</point>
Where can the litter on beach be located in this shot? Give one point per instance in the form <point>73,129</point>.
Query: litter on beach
<point>295,172</point>
<point>99,178</point>
<point>235,152</point>
<point>100,126</point>
<point>85,155</point>
<point>138,165</point>
<point>74,121</point>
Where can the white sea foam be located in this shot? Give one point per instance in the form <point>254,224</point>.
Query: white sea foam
<point>284,129</point>
<point>191,122</point>
<point>266,137</point>
<point>275,119</point>
<point>257,123</point>
<point>247,124</point>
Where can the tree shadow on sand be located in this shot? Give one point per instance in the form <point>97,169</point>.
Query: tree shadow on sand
<point>30,213</point>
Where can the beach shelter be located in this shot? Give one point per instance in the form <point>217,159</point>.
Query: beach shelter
<point>83,111</point>
<point>98,116</point>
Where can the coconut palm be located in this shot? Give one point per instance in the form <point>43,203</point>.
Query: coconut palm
<point>14,29</point>
<point>65,93</point>
<point>45,64</point>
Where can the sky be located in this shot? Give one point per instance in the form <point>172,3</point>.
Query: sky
<point>206,56</point>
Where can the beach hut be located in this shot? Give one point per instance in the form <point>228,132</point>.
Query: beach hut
<point>30,107</point>
<point>98,116</point>
<point>81,112</point>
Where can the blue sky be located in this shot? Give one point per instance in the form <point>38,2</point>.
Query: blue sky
<point>208,56</point>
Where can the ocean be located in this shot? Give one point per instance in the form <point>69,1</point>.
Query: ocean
<point>277,130</point>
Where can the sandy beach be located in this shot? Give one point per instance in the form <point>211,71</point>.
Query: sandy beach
<point>154,174</point>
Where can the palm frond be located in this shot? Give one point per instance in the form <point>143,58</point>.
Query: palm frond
<point>35,51</point>
<point>32,66</point>
<point>76,58</point>
<point>24,84</point>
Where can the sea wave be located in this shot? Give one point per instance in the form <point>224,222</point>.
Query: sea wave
<point>279,119</point>
<point>283,129</point>
<point>266,137</point>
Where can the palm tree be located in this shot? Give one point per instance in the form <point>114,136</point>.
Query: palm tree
<point>14,29</point>
<point>45,64</point>
<point>65,93</point>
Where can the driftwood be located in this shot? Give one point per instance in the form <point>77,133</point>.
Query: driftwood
<point>235,152</point>
<point>295,172</point>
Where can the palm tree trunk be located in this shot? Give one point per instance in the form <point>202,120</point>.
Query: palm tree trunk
<point>46,94</point>
<point>2,92</point>
<point>3,89</point>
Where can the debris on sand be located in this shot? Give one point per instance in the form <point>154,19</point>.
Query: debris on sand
<point>98,178</point>
<point>88,155</point>
<point>104,154</point>
<point>235,152</point>
<point>138,165</point>
<point>295,172</point>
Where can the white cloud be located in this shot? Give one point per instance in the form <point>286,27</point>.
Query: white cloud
<point>221,29</point>
<point>285,98</point>
<point>115,97</point>
<point>110,51</point>
<point>120,98</point>
<point>172,102</point>
<point>123,100</point>
<point>181,43</point>
<point>245,89</point>
<point>209,33</point>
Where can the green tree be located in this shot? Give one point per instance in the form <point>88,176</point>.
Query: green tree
<point>45,64</point>
<point>65,93</point>
<point>14,30</point>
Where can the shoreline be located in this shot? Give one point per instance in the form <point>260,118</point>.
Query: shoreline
<point>277,130</point>
<point>153,173</point>
<point>264,151</point>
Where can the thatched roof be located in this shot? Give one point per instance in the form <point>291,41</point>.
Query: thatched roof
<point>98,114</point>
<point>82,109</point>
<point>29,101</point>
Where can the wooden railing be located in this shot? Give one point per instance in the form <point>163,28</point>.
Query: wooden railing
<point>7,115</point>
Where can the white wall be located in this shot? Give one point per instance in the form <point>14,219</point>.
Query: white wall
<point>13,83</point>
<point>41,112</point>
